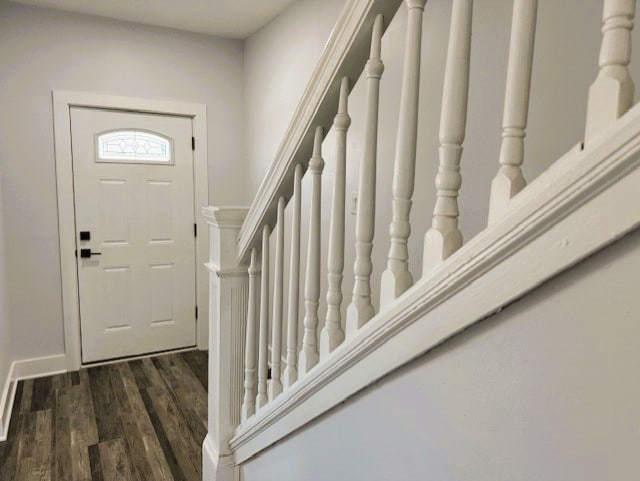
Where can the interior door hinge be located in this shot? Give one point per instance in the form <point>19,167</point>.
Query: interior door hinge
<point>195,230</point>
<point>196,312</point>
<point>193,143</point>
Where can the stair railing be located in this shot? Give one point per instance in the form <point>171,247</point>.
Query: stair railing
<point>251,368</point>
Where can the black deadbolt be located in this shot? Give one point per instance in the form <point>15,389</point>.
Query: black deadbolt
<point>85,235</point>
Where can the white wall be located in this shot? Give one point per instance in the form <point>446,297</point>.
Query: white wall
<point>548,389</point>
<point>42,50</point>
<point>5,345</point>
<point>278,61</point>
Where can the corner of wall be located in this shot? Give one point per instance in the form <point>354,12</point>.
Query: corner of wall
<point>25,369</point>
<point>7,396</point>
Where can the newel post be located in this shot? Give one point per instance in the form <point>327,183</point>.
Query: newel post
<point>228,291</point>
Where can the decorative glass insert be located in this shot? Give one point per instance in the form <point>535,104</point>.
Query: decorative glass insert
<point>134,146</point>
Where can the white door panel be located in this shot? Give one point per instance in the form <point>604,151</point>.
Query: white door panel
<point>135,197</point>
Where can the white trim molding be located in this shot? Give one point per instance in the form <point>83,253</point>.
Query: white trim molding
<point>6,403</point>
<point>62,102</point>
<point>216,467</point>
<point>39,367</point>
<point>548,227</point>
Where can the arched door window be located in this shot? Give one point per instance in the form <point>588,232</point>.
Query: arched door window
<point>134,146</point>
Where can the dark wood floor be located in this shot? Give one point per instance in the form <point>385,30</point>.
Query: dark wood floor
<point>139,420</point>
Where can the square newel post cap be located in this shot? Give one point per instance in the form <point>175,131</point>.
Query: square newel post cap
<point>225,217</point>
<point>224,227</point>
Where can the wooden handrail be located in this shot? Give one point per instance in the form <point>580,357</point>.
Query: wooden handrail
<point>344,55</point>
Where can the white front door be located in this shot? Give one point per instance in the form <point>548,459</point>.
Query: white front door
<point>134,206</point>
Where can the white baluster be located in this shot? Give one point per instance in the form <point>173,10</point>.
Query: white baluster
<point>509,180</point>
<point>249,401</point>
<point>611,95</point>
<point>263,341</point>
<point>309,353</point>
<point>361,308</point>
<point>396,278</point>
<point>275,384</point>
<point>291,370</point>
<point>444,237</point>
<point>332,334</point>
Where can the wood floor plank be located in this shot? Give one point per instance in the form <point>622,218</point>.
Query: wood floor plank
<point>25,469</point>
<point>86,410</point>
<point>158,460</point>
<point>59,381</point>
<point>130,389</point>
<point>141,420</point>
<point>9,453</point>
<point>153,453</point>
<point>180,436</point>
<point>104,404</point>
<point>43,447</point>
<point>142,382</point>
<point>162,381</point>
<point>27,394</point>
<point>81,469</point>
<point>132,435</point>
<point>95,463</point>
<point>60,432</point>
<point>188,398</point>
<point>115,463</point>
<point>161,378</point>
<point>198,362</point>
<point>80,465</point>
<point>163,440</point>
<point>26,460</point>
<point>152,374</point>
<point>187,379</point>
<point>61,462</point>
<point>41,394</point>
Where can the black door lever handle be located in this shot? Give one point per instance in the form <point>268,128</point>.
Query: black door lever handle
<point>86,253</point>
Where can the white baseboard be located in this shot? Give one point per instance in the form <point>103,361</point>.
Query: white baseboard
<point>6,403</point>
<point>209,459</point>
<point>39,367</point>
<point>25,369</point>
<point>216,467</point>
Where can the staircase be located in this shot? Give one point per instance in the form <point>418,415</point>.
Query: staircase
<point>275,367</point>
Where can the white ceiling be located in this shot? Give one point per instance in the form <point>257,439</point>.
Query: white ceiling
<point>225,18</point>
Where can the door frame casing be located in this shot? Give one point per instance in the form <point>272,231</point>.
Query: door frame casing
<point>63,100</point>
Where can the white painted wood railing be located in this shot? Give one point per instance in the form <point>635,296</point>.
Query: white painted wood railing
<point>281,371</point>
